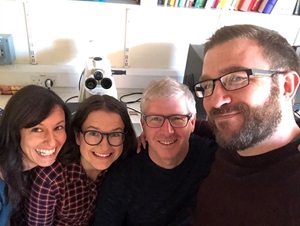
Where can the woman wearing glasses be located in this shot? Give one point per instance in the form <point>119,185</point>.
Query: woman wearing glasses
<point>66,195</point>
<point>158,186</point>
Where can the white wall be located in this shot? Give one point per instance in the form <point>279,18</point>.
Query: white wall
<point>61,30</point>
<point>156,38</point>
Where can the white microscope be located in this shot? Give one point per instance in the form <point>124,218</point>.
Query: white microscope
<point>97,79</point>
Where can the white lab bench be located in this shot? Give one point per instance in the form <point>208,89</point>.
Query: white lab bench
<point>68,93</point>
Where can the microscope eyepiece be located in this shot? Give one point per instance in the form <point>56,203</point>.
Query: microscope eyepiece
<point>90,83</point>
<point>106,83</point>
<point>98,75</point>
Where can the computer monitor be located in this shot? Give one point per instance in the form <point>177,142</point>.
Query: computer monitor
<point>193,71</point>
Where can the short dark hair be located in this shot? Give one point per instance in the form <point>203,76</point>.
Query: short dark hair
<point>280,55</point>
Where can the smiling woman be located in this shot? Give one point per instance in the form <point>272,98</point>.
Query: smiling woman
<point>32,133</point>
<point>42,143</point>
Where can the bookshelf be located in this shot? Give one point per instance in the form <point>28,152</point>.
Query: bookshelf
<point>287,7</point>
<point>283,6</point>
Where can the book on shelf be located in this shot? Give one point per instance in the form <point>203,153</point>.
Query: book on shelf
<point>221,4</point>
<point>245,5</point>
<point>284,7</point>
<point>166,2</point>
<point>234,5</point>
<point>262,5</point>
<point>267,6</point>
<point>209,4</point>
<point>189,3</point>
<point>160,2</point>
<point>199,3</point>
<point>227,4</point>
<point>181,3</point>
<point>256,5</point>
<point>215,4</point>
<point>172,3</point>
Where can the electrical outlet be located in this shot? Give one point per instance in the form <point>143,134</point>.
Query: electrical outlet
<point>7,52</point>
<point>40,80</point>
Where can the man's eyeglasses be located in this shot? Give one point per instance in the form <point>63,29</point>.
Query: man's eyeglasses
<point>231,81</point>
<point>94,137</point>
<point>176,121</point>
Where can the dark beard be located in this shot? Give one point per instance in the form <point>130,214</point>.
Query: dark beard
<point>259,123</point>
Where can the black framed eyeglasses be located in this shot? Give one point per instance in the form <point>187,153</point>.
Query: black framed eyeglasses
<point>94,137</point>
<point>176,121</point>
<point>231,81</point>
